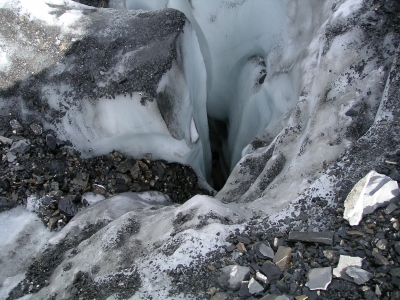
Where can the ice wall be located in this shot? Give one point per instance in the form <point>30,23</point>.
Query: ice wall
<point>105,87</point>
<point>284,74</point>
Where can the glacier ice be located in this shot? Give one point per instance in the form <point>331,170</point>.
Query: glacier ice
<point>90,90</point>
<point>22,238</point>
<point>273,81</point>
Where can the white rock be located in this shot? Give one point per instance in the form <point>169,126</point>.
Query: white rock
<point>232,276</point>
<point>371,192</point>
<point>359,275</point>
<point>345,262</point>
<point>255,287</point>
<point>261,277</point>
<point>319,278</point>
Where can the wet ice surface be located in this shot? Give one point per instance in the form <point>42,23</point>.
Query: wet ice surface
<point>275,70</point>
<point>22,238</point>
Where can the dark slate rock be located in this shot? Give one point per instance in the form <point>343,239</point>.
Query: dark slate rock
<point>396,282</point>
<point>67,207</point>
<point>264,250</point>
<point>51,142</point>
<point>121,188</point>
<point>383,269</point>
<point>324,237</point>
<point>272,271</point>
<point>281,285</point>
<point>369,295</point>
<point>244,289</point>
<point>243,239</point>
<point>312,295</point>
<point>397,247</point>
<point>5,185</point>
<point>395,272</point>
<point>230,248</point>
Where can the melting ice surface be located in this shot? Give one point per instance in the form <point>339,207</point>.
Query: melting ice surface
<point>255,68</point>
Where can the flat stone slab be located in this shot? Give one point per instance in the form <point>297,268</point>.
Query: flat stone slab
<point>319,278</point>
<point>323,237</point>
<point>282,257</point>
<point>372,191</point>
<point>264,250</point>
<point>272,271</point>
<point>359,275</point>
<point>345,262</point>
<point>255,287</point>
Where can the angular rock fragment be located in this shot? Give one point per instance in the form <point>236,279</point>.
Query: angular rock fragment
<point>397,248</point>
<point>51,142</point>
<point>379,258</point>
<point>36,128</point>
<point>241,248</point>
<point>264,250</point>
<point>261,277</point>
<point>282,257</point>
<point>319,278</point>
<point>324,237</point>
<point>354,233</point>
<point>243,239</point>
<point>255,287</point>
<point>390,208</point>
<point>67,207</point>
<point>20,146</point>
<point>395,272</point>
<point>272,271</point>
<point>99,189</point>
<point>371,192</point>
<point>244,290</point>
<point>345,262</point>
<point>5,140</point>
<point>359,275</point>
<point>382,244</point>
<point>232,276</point>
<point>16,125</point>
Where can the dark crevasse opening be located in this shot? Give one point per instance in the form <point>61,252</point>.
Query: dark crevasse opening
<point>218,133</point>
